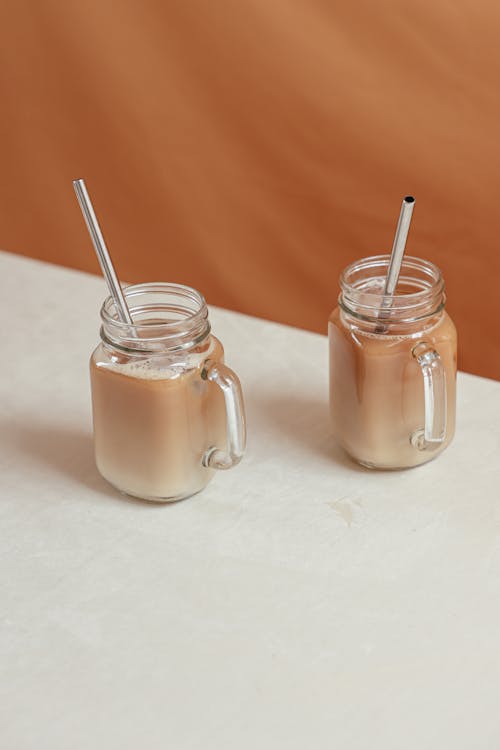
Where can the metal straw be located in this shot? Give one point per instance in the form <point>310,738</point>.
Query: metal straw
<point>398,249</point>
<point>102,253</point>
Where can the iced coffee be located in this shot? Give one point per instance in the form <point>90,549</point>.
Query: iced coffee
<point>392,369</point>
<point>160,397</point>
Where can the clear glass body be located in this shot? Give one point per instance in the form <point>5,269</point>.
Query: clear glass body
<point>392,365</point>
<point>160,413</point>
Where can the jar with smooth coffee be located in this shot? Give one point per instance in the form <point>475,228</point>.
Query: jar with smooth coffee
<point>392,365</point>
<point>166,410</point>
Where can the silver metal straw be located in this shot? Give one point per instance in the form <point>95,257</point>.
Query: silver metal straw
<point>399,244</point>
<point>398,250</point>
<point>103,255</point>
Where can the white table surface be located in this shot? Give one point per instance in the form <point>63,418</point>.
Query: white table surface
<point>298,602</point>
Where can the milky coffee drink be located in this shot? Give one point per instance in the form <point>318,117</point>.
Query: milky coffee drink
<point>152,427</point>
<point>160,393</point>
<point>377,379</point>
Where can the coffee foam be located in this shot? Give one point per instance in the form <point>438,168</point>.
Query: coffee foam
<point>161,367</point>
<point>384,337</point>
<point>148,370</point>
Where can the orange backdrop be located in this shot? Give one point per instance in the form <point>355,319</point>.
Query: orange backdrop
<point>252,148</point>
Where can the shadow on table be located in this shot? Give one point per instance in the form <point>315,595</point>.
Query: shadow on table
<point>305,421</point>
<point>67,451</point>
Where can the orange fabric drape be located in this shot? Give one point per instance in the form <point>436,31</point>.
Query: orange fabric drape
<point>253,148</point>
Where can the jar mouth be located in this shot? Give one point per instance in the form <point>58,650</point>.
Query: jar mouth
<point>165,317</point>
<point>419,293</point>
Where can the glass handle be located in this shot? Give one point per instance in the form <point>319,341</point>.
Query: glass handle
<point>229,383</point>
<point>434,374</point>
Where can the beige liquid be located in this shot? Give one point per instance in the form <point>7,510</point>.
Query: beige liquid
<point>377,392</point>
<point>152,425</point>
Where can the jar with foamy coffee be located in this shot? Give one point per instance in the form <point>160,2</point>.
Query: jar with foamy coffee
<point>392,365</point>
<point>166,410</point>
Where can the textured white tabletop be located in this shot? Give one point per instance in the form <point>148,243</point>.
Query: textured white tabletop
<point>298,602</point>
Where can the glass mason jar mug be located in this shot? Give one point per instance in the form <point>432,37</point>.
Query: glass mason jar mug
<point>392,365</point>
<point>166,409</point>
